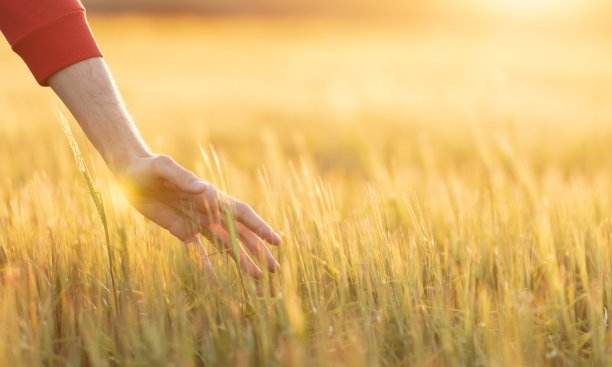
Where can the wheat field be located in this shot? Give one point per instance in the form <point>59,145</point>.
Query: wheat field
<point>444,198</point>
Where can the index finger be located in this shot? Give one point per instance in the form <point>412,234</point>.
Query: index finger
<point>247,216</point>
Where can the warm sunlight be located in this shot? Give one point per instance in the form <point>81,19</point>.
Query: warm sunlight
<point>530,4</point>
<point>535,7</point>
<point>296,183</point>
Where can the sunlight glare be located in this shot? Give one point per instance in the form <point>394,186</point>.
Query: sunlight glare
<point>534,7</point>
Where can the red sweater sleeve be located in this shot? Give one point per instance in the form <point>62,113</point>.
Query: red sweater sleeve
<point>48,34</point>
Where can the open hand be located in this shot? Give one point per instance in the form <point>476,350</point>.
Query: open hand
<point>186,206</point>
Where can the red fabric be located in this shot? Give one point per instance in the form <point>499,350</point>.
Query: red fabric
<point>48,34</point>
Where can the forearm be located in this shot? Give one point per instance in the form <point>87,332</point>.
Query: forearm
<point>88,90</point>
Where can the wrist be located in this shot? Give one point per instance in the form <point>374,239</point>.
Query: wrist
<point>121,162</point>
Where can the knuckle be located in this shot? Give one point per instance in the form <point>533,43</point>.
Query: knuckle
<point>211,195</point>
<point>242,208</point>
<point>161,161</point>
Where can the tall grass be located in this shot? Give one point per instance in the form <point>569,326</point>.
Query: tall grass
<point>94,194</point>
<point>491,265</point>
<point>460,240</point>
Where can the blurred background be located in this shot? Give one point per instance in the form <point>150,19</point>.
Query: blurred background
<point>345,80</point>
<point>397,8</point>
<point>586,13</point>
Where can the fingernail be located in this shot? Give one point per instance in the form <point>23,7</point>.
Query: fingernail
<point>197,186</point>
<point>278,238</point>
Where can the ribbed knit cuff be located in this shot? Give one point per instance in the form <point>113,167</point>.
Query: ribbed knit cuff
<point>56,45</point>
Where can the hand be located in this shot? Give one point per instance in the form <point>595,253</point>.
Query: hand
<point>157,186</point>
<point>186,206</point>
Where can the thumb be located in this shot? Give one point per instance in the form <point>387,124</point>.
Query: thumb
<point>174,173</point>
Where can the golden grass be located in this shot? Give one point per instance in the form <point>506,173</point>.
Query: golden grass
<point>444,199</point>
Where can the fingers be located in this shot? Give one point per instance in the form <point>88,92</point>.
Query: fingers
<point>221,236</point>
<point>186,206</point>
<point>196,249</point>
<point>253,222</point>
<point>257,247</point>
<point>174,173</point>
<point>250,240</point>
<point>187,233</point>
<point>209,201</point>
